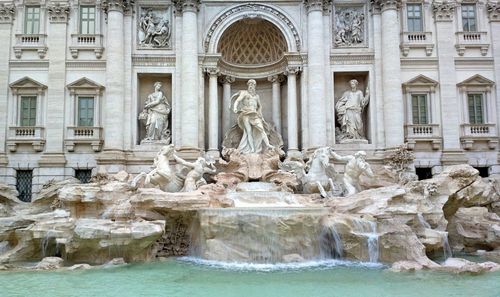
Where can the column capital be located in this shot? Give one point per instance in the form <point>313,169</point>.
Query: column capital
<point>212,71</point>
<point>58,12</point>
<point>227,79</point>
<point>443,11</point>
<point>277,78</point>
<point>117,5</point>
<point>182,6</point>
<point>493,10</point>
<point>7,12</point>
<point>293,69</point>
<point>375,6</point>
<point>315,5</point>
<point>389,4</point>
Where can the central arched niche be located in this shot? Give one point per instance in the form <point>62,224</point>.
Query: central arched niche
<point>252,42</point>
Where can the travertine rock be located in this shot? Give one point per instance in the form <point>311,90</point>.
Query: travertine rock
<point>49,263</point>
<point>459,266</point>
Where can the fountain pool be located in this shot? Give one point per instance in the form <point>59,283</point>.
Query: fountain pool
<point>191,277</point>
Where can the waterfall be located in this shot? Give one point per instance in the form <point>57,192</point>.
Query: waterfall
<point>4,246</point>
<point>422,221</point>
<point>51,234</point>
<point>369,230</point>
<point>446,246</point>
<point>331,243</point>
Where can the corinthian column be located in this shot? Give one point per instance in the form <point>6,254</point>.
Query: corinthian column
<point>293,148</point>
<point>189,76</point>
<point>115,79</point>
<point>54,125</point>
<point>391,73</point>
<point>276,100</point>
<point>226,102</point>
<point>213,112</point>
<point>445,37</point>
<point>493,9</point>
<point>316,75</point>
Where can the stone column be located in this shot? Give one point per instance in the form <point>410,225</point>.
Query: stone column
<point>189,77</point>
<point>115,78</point>
<point>276,100</point>
<point>7,12</point>
<point>450,105</point>
<point>316,75</point>
<point>213,113</point>
<point>56,87</point>
<point>226,102</point>
<point>391,74</point>
<point>493,9</point>
<point>292,123</point>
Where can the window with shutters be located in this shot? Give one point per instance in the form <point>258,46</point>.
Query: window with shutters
<point>85,111</point>
<point>32,20</point>
<point>414,17</point>
<point>28,111</point>
<point>87,19</point>
<point>419,109</point>
<point>476,108</point>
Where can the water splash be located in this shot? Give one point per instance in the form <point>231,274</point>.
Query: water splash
<point>369,230</point>
<point>50,235</point>
<point>446,246</point>
<point>422,221</point>
<point>331,243</point>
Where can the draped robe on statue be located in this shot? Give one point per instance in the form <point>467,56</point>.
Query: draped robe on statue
<point>349,113</point>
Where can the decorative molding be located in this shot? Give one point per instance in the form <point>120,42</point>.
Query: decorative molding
<point>345,59</point>
<point>493,10</point>
<point>349,26</point>
<point>375,6</point>
<point>149,60</point>
<point>182,6</point>
<point>7,12</point>
<point>98,65</point>
<point>26,83</point>
<point>389,4</point>
<point>154,28</point>
<point>443,11</point>
<point>85,84</point>
<point>227,79</point>
<point>253,10</point>
<point>477,81</point>
<point>117,5</point>
<point>28,64</point>
<point>420,81</point>
<point>58,12</point>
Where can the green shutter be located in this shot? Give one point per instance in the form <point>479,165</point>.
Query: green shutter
<point>476,108</point>
<point>32,20</point>
<point>28,111</point>
<point>87,19</point>
<point>419,109</point>
<point>85,111</point>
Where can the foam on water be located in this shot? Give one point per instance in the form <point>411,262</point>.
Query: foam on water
<point>319,264</point>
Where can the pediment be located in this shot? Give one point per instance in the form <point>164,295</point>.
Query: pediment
<point>85,83</point>
<point>476,81</point>
<point>421,81</point>
<point>27,83</point>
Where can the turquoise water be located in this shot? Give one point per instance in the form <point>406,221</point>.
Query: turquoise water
<point>187,277</point>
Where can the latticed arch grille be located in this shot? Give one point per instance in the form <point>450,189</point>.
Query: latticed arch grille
<point>252,42</point>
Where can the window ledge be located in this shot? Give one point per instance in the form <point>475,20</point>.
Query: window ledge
<point>92,136</point>
<point>34,42</point>
<point>423,133</point>
<point>86,42</point>
<point>472,40</point>
<point>411,40</point>
<point>26,135</point>
<point>473,133</point>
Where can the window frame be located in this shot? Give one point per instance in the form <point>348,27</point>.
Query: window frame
<point>32,117</point>
<point>28,19</point>
<point>81,20</point>
<point>408,18</point>
<point>418,95</point>
<point>475,18</point>
<point>79,99</point>
<point>484,119</point>
<point>29,194</point>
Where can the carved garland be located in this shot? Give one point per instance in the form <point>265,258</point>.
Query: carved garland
<point>7,12</point>
<point>443,11</point>
<point>493,9</point>
<point>252,7</point>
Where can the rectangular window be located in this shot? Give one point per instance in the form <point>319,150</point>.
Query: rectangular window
<point>83,175</point>
<point>28,111</point>
<point>32,20</point>
<point>419,109</point>
<point>414,17</point>
<point>476,108</point>
<point>85,111</point>
<point>24,179</point>
<point>469,17</point>
<point>87,19</point>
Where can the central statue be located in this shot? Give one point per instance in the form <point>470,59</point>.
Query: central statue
<point>251,134</point>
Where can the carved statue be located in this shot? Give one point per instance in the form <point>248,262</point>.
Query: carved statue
<point>349,112</point>
<point>317,175</point>
<point>155,31</point>
<point>194,179</point>
<point>356,165</point>
<point>155,113</point>
<point>349,27</point>
<point>162,175</point>
<point>252,133</point>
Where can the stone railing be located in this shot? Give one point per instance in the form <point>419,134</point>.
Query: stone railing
<point>416,40</point>
<point>26,135</point>
<point>35,42</point>
<point>84,135</point>
<point>89,42</point>
<point>423,133</point>
<point>479,132</point>
<point>472,40</point>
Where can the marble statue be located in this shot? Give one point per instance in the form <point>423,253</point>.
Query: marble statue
<point>155,31</point>
<point>356,165</point>
<point>155,113</point>
<point>163,175</point>
<point>349,27</point>
<point>194,178</point>
<point>251,134</point>
<point>349,112</point>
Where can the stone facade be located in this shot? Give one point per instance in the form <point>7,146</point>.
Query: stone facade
<point>418,59</point>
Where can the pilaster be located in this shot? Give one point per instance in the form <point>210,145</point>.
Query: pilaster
<point>493,10</point>
<point>226,102</point>
<point>292,113</point>
<point>7,13</point>
<point>276,81</point>
<point>213,111</point>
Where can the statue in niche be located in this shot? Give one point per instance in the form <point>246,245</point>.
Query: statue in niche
<point>155,31</point>
<point>349,27</point>
<point>194,178</point>
<point>356,165</point>
<point>251,134</point>
<point>155,113</point>
<point>349,113</point>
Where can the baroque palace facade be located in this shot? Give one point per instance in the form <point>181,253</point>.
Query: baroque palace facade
<point>90,85</point>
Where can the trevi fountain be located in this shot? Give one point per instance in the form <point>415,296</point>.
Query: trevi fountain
<point>257,210</point>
